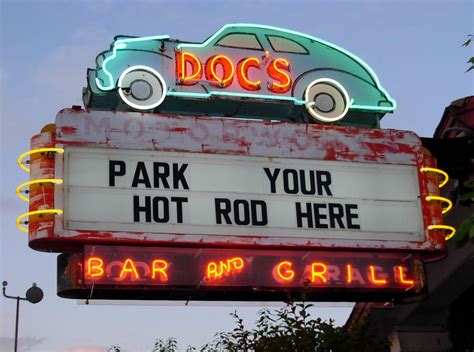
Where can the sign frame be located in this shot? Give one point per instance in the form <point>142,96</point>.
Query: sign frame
<point>141,131</point>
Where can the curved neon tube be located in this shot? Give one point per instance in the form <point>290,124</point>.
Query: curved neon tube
<point>121,44</point>
<point>444,227</point>
<point>438,171</point>
<point>183,67</point>
<point>43,180</point>
<point>214,73</point>
<point>442,199</point>
<point>35,151</point>
<point>35,212</point>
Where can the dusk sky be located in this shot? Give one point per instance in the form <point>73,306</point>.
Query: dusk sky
<point>46,47</point>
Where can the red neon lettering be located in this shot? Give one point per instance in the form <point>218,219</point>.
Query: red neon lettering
<point>242,73</point>
<point>129,267</point>
<point>159,266</point>
<point>215,271</point>
<point>349,273</point>
<point>227,70</point>
<point>276,71</point>
<point>318,273</point>
<point>374,280</point>
<point>283,271</point>
<point>183,62</point>
<point>95,267</point>
<point>403,280</point>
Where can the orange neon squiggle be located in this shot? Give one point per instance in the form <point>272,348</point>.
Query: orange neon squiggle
<point>349,273</point>
<point>319,274</point>
<point>35,212</point>
<point>287,274</point>
<point>228,67</point>
<point>35,151</point>
<point>128,267</point>
<point>181,68</point>
<point>444,227</point>
<point>242,74</point>
<point>402,279</point>
<point>281,76</point>
<point>161,270</point>
<point>32,182</point>
<point>438,171</point>
<point>442,199</point>
<point>233,265</point>
<point>374,280</point>
<point>99,267</point>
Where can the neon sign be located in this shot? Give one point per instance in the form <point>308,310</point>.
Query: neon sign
<point>321,81</point>
<point>117,269</point>
<point>220,72</point>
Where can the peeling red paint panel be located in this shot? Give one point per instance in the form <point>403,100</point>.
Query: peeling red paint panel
<point>174,133</point>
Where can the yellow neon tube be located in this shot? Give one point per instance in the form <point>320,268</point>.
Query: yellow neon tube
<point>438,171</point>
<point>35,212</point>
<point>43,180</point>
<point>444,227</point>
<point>35,151</point>
<point>442,199</point>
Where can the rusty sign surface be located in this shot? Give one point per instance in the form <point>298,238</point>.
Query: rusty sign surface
<point>111,158</point>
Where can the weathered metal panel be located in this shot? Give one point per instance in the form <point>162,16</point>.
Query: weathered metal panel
<point>172,133</point>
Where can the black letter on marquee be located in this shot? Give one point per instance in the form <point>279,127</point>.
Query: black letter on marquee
<point>179,207</point>
<point>244,210</point>
<point>300,215</point>
<point>318,216</point>
<point>223,211</point>
<point>272,178</point>
<point>336,213</point>
<point>286,184</point>
<point>141,170</point>
<point>137,209</point>
<point>178,176</point>
<point>350,216</point>
<point>312,186</point>
<point>113,172</point>
<point>263,207</point>
<point>156,209</point>
<point>161,175</point>
<point>325,183</point>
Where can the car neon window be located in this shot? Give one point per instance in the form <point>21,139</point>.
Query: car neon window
<point>240,40</point>
<point>284,45</point>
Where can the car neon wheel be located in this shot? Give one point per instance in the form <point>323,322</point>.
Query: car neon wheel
<point>141,87</point>
<point>326,100</point>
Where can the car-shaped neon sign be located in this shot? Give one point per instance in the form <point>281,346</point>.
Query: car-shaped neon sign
<point>242,70</point>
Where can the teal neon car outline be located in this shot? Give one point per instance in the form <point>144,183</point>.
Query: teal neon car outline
<point>121,43</point>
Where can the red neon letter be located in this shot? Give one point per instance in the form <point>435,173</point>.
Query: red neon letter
<point>215,271</point>
<point>282,271</point>
<point>403,280</point>
<point>275,70</point>
<point>374,280</point>
<point>242,73</point>
<point>318,273</point>
<point>182,75</point>
<point>227,70</point>
<point>95,267</point>
<point>349,273</point>
<point>128,267</point>
<point>159,266</point>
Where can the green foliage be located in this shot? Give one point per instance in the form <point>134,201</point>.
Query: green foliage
<point>466,229</point>
<point>292,329</point>
<point>471,60</point>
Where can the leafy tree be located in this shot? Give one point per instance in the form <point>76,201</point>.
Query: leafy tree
<point>471,60</point>
<point>292,329</point>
